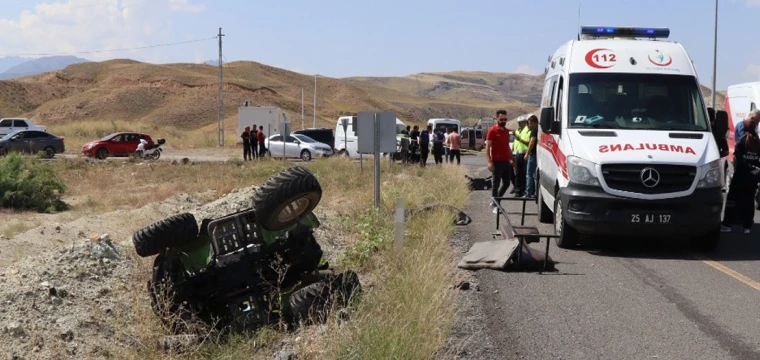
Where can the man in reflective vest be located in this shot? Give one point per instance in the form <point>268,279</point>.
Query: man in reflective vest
<point>519,148</point>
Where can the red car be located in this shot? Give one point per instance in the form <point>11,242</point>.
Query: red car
<point>116,144</point>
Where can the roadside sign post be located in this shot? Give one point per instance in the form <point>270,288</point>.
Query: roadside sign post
<point>284,133</point>
<point>376,135</point>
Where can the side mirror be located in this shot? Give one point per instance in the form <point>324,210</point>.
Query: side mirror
<point>546,119</point>
<point>721,124</point>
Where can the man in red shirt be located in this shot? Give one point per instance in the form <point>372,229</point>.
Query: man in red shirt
<point>499,156</point>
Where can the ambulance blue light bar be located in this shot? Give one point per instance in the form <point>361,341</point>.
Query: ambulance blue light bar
<point>606,31</point>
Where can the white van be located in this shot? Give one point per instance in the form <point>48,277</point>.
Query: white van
<point>442,124</point>
<point>345,142</point>
<point>625,141</point>
<point>740,100</point>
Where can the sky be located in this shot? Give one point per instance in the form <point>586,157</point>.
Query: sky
<point>342,38</point>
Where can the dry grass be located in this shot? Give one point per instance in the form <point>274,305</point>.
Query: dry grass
<point>409,289</point>
<point>15,223</point>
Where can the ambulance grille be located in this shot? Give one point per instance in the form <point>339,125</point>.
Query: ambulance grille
<point>628,177</point>
<point>686,135</point>
<point>598,133</point>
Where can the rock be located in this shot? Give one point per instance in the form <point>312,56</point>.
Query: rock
<point>286,355</point>
<point>67,335</point>
<point>104,249</point>
<point>14,329</point>
<point>56,300</point>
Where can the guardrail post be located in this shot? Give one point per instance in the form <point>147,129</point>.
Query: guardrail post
<point>399,223</point>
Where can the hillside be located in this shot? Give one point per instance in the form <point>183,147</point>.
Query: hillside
<point>184,96</point>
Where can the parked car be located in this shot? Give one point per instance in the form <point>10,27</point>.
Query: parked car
<point>10,125</point>
<point>116,144</point>
<point>297,146</point>
<point>32,142</point>
<point>323,135</point>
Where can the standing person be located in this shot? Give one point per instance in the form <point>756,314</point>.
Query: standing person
<point>519,149</point>
<point>446,147</point>
<point>254,143</point>
<point>499,156</point>
<point>531,158</point>
<point>744,182</point>
<point>246,136</point>
<point>262,146</point>
<point>414,145</point>
<point>438,147</point>
<point>424,145</point>
<point>455,144</point>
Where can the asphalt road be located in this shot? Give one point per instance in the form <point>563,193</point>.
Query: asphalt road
<point>621,298</point>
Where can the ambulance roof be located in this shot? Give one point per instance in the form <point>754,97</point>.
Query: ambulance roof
<point>625,55</point>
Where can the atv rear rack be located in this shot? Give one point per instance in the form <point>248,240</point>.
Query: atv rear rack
<point>235,236</point>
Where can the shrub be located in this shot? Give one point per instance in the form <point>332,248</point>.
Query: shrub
<point>28,184</point>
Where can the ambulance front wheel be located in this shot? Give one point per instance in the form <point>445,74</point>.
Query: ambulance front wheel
<point>568,236</point>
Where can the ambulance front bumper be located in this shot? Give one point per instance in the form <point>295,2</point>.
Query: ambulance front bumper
<point>592,211</point>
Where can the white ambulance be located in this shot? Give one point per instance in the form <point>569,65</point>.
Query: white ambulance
<point>740,100</point>
<point>625,141</point>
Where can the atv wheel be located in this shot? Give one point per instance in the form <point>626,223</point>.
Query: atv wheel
<point>286,197</point>
<point>171,232</point>
<point>164,300</point>
<point>312,303</point>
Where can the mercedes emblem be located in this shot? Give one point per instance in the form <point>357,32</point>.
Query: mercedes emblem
<point>650,177</point>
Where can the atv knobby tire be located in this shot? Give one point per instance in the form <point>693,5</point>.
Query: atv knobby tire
<point>174,314</point>
<point>312,303</point>
<point>286,197</point>
<point>171,232</point>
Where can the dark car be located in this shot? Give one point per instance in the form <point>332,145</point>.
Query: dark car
<point>32,142</point>
<point>116,144</point>
<point>323,135</point>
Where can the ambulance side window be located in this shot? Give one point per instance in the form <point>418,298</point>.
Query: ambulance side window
<point>752,106</point>
<point>558,104</point>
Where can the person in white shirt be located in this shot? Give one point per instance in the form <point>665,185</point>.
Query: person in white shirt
<point>446,146</point>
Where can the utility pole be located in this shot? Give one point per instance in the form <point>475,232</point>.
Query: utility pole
<point>314,121</point>
<point>302,127</point>
<point>220,97</point>
<point>715,55</point>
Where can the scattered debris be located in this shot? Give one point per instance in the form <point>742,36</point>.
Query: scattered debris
<point>461,217</point>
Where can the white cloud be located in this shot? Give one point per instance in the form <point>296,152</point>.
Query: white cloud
<point>69,26</point>
<point>527,69</point>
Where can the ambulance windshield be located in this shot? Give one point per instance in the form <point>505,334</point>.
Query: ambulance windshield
<point>635,101</point>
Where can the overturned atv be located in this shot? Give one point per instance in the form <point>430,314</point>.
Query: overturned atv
<point>248,269</point>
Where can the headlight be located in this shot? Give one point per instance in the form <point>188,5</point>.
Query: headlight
<point>713,175</point>
<point>581,171</point>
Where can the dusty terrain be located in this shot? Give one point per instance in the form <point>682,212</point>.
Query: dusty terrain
<point>71,292</point>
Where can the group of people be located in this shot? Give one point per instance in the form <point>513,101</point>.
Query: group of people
<point>740,206</point>
<point>516,164</point>
<point>253,143</point>
<point>446,145</point>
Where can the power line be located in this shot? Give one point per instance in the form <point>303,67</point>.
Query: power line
<point>111,50</point>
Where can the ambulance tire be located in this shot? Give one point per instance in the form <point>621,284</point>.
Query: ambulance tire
<point>545,215</point>
<point>568,236</point>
